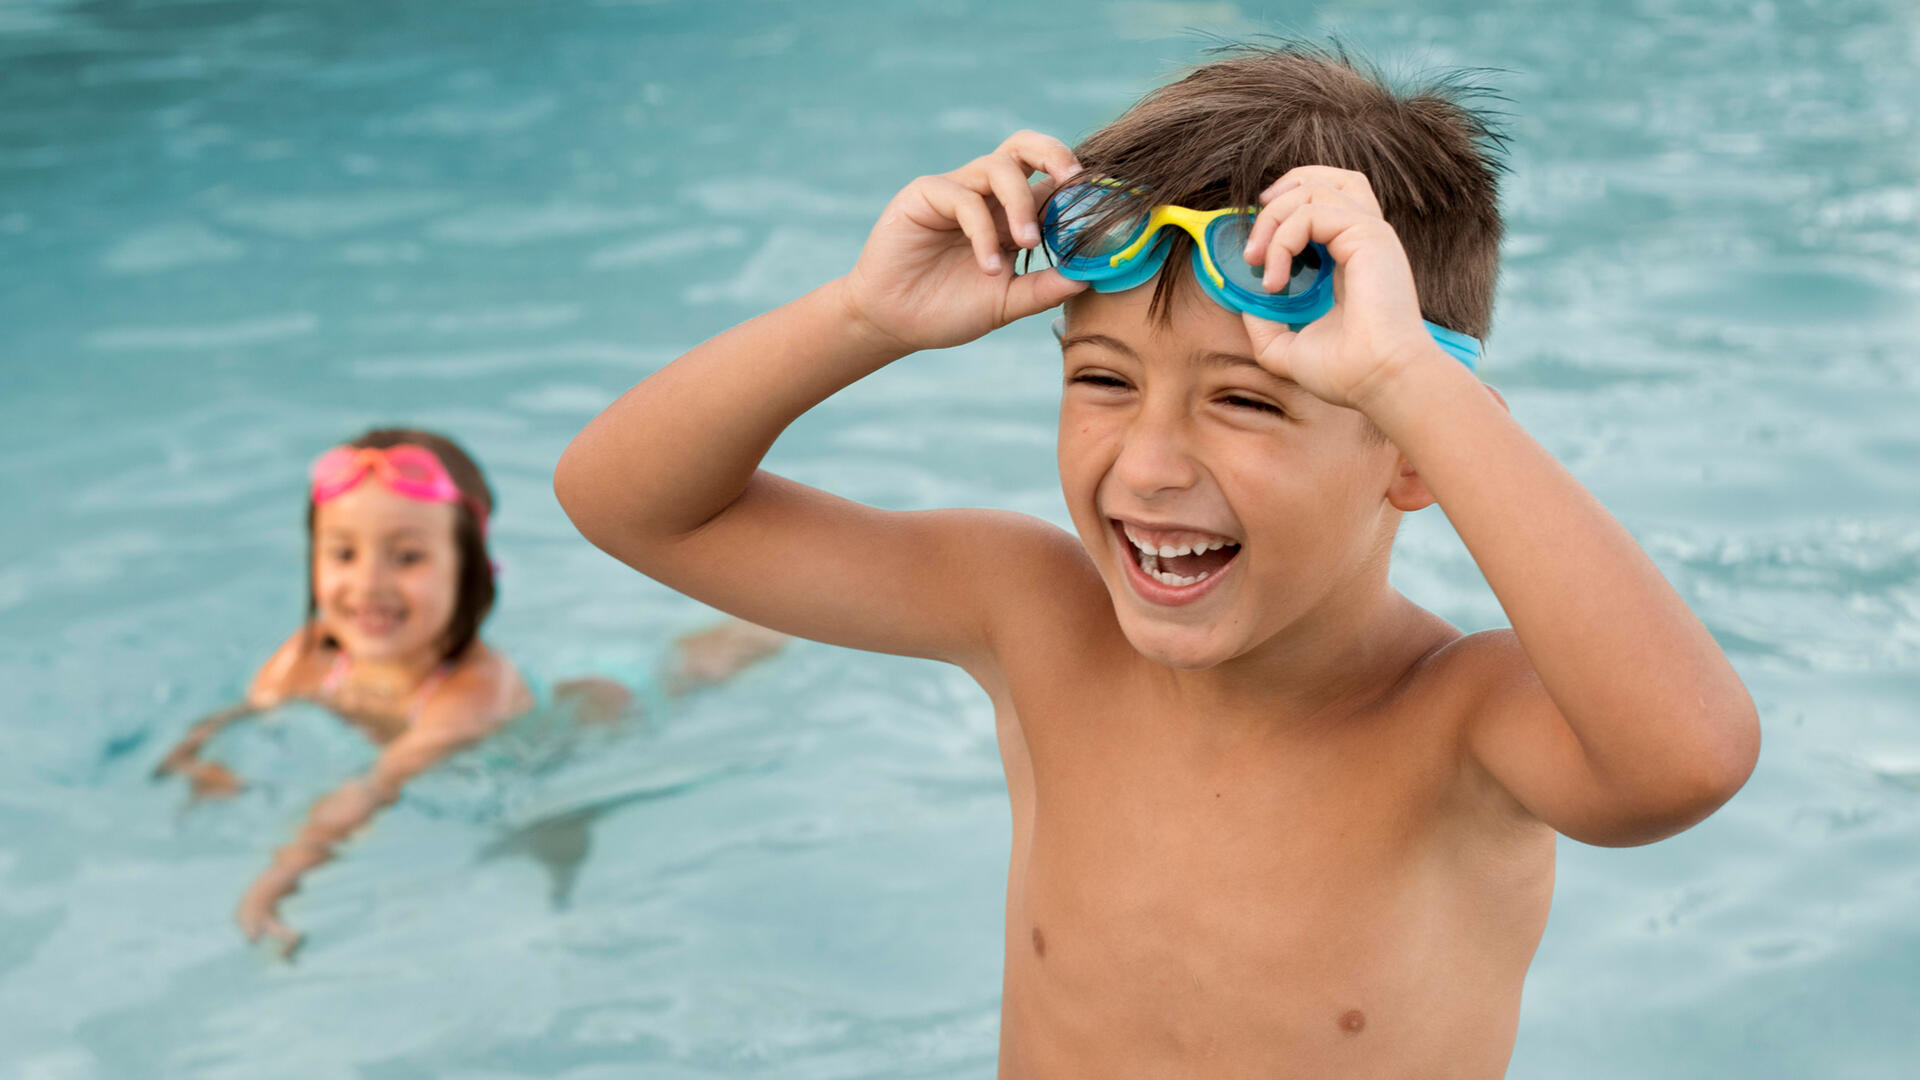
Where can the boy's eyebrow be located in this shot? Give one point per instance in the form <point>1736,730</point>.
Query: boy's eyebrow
<point>1212,359</point>
<point>1227,359</point>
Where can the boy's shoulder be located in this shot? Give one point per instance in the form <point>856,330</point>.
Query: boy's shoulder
<point>1471,665</point>
<point>1046,574</point>
<point>1462,677</point>
<point>1045,604</point>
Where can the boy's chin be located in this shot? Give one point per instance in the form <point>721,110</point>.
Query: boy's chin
<point>1187,648</point>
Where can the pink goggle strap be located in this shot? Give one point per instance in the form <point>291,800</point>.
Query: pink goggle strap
<point>412,472</point>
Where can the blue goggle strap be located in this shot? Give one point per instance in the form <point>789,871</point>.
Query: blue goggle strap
<point>1461,347</point>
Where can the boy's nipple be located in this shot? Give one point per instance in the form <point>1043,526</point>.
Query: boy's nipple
<point>1353,1021</point>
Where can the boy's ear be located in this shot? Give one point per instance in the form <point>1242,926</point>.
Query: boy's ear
<point>1408,492</point>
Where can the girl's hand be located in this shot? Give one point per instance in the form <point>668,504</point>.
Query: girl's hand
<point>718,653</point>
<point>181,759</point>
<point>1374,328</point>
<point>212,780</point>
<point>259,911</point>
<point>937,269</point>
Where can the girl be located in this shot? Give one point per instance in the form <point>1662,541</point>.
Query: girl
<point>399,583</point>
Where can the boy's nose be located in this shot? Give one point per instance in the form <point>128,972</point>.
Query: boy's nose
<point>1156,457</point>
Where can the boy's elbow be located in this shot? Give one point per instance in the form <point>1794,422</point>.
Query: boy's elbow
<point>1736,752</point>
<point>1711,777</point>
<point>570,487</point>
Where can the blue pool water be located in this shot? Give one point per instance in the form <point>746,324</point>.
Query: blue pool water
<point>233,233</point>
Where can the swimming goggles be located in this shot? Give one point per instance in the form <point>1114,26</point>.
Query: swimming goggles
<point>410,471</point>
<point>1130,250</point>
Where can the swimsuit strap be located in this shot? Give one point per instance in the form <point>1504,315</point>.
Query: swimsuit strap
<point>425,690</point>
<point>335,674</point>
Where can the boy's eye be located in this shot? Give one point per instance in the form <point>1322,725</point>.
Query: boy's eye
<point>1094,379</point>
<point>341,554</point>
<point>1255,404</point>
<point>409,558</point>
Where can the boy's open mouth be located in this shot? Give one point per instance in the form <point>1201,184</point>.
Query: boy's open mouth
<point>1177,558</point>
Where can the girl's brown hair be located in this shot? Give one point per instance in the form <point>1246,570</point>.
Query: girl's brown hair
<point>1222,134</point>
<point>474,581</point>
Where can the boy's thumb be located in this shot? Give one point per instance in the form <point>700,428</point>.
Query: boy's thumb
<point>1031,294</point>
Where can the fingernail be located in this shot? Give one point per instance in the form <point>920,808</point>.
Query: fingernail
<point>992,264</point>
<point>1030,234</point>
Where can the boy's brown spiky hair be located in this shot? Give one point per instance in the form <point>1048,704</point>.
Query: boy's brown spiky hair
<point>1231,127</point>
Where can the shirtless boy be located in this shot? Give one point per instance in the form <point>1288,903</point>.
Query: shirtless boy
<point>1271,819</point>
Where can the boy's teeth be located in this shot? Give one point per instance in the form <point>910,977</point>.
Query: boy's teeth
<point>1197,546</point>
<point>1151,564</point>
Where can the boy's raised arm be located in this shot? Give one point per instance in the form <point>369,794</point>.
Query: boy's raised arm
<point>1609,713</point>
<point>667,478</point>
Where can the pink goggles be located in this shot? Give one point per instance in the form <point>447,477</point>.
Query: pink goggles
<point>412,472</point>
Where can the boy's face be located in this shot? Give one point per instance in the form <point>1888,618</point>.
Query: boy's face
<point>1171,437</point>
<point>385,572</point>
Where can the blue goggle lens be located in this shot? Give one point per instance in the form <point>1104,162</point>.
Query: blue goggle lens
<point>1227,240</point>
<point>1072,229</point>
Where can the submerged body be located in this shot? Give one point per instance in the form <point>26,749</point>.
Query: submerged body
<point>307,669</point>
<point>400,582</point>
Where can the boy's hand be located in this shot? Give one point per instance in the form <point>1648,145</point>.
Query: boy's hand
<point>1375,327</point>
<point>937,269</point>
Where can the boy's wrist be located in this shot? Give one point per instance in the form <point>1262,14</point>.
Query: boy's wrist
<point>1408,385</point>
<point>869,337</point>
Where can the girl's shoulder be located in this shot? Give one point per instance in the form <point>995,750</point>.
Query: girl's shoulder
<point>482,688</point>
<point>295,670</point>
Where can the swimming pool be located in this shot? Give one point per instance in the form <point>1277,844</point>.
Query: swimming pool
<point>232,233</point>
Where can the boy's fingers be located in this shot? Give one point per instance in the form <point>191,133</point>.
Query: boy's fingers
<point>1030,294</point>
<point>1271,340</point>
<point>1352,183</point>
<point>1282,207</point>
<point>1041,153</point>
<point>1337,227</point>
<point>1009,185</point>
<point>969,210</point>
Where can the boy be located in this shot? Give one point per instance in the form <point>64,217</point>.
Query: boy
<point>1270,818</point>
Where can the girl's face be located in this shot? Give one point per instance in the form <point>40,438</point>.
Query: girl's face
<point>385,572</point>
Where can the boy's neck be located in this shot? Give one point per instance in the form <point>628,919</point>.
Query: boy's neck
<point>1329,663</point>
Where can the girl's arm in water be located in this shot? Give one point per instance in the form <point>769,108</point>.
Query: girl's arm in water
<point>210,779</point>
<point>272,684</point>
<point>471,705</point>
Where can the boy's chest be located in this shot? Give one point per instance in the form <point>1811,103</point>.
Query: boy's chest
<point>1187,891</point>
<point>1247,838</point>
